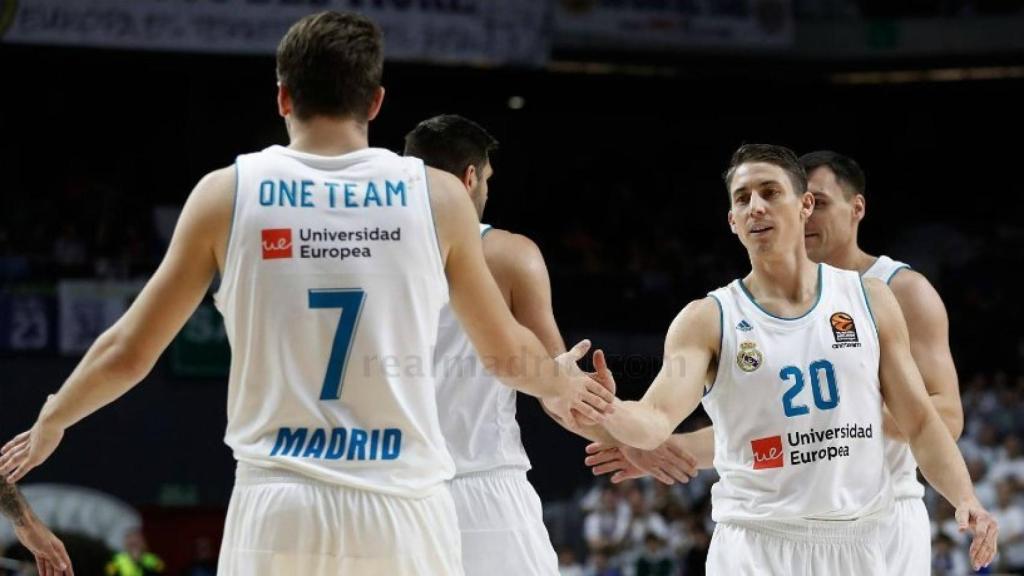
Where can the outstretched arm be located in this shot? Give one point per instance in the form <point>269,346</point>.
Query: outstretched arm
<point>930,440</point>
<point>928,326</point>
<point>509,351</point>
<point>690,348</point>
<point>49,552</point>
<point>123,355</point>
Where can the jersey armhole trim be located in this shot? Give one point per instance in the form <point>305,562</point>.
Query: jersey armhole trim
<point>721,341</point>
<point>897,271</point>
<point>867,303</point>
<point>231,233</point>
<point>487,228</point>
<point>433,222</point>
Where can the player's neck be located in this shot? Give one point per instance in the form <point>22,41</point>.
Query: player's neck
<point>790,277</point>
<point>851,257</point>
<point>325,136</point>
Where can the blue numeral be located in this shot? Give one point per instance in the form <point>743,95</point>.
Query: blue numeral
<point>795,374</point>
<point>787,399</point>
<point>830,378</point>
<point>350,301</point>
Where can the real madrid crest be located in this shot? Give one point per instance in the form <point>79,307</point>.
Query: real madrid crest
<point>749,357</point>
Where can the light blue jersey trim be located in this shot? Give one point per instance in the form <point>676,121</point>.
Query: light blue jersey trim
<point>868,302</point>
<point>721,340</point>
<point>486,228</point>
<point>895,272</point>
<point>430,208</point>
<point>804,315</point>
<point>234,211</point>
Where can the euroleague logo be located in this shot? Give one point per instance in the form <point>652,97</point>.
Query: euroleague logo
<point>276,243</point>
<point>767,452</point>
<point>844,331</point>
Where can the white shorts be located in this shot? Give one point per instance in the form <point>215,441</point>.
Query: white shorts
<point>803,548</point>
<point>907,537</point>
<point>280,522</point>
<point>502,525</point>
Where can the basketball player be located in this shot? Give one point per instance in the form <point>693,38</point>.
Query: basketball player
<point>838,185</point>
<point>791,364</point>
<point>335,261</point>
<point>500,514</point>
<point>48,550</point>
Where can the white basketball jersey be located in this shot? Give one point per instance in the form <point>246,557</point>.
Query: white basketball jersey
<point>902,465</point>
<point>479,420</point>
<point>797,408</point>
<point>333,282</point>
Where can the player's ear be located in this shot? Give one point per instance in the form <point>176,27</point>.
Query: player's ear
<point>732,222</point>
<point>807,205</point>
<point>469,177</point>
<point>859,207</point>
<point>378,101</point>
<point>284,101</point>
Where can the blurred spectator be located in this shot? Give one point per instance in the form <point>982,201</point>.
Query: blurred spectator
<point>643,521</point>
<point>607,527</point>
<point>697,556</point>
<point>947,559</point>
<point>655,558</point>
<point>567,563</point>
<point>600,564</point>
<point>1011,527</point>
<point>135,560</point>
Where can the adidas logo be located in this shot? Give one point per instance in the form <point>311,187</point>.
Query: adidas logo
<point>744,326</point>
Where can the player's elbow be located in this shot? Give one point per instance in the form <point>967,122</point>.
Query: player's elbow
<point>954,420</point>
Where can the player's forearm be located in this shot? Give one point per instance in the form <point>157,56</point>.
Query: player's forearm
<point>593,433</point>
<point>950,411</point>
<point>106,372</point>
<point>700,444</point>
<point>940,461</point>
<point>524,365</point>
<point>638,424</point>
<point>12,505</point>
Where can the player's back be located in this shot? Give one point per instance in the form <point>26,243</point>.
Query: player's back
<point>333,282</point>
<point>479,421</point>
<point>797,408</point>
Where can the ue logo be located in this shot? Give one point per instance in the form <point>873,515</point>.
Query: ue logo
<point>767,452</point>
<point>277,243</point>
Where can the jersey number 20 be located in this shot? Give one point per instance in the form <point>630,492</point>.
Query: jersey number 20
<point>350,301</point>
<point>817,368</point>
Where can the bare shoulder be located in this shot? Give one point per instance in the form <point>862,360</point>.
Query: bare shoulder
<point>504,249</point>
<point>698,323</point>
<point>444,187</point>
<point>915,293</point>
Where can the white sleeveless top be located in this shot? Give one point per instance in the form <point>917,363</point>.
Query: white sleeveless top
<point>797,408</point>
<point>478,411</point>
<point>902,465</point>
<point>332,286</point>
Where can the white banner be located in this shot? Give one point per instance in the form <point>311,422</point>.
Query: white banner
<point>480,31</point>
<point>673,24</point>
<point>88,307</point>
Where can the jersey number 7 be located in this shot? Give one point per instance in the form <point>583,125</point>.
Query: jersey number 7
<point>350,301</point>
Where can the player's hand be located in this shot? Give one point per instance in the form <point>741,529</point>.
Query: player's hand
<point>585,401</point>
<point>48,550</point>
<point>668,463</point>
<point>28,450</point>
<point>972,517</point>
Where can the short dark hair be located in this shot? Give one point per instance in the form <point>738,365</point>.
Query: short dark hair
<point>848,172</point>
<point>331,64</point>
<point>450,142</point>
<point>770,154</point>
